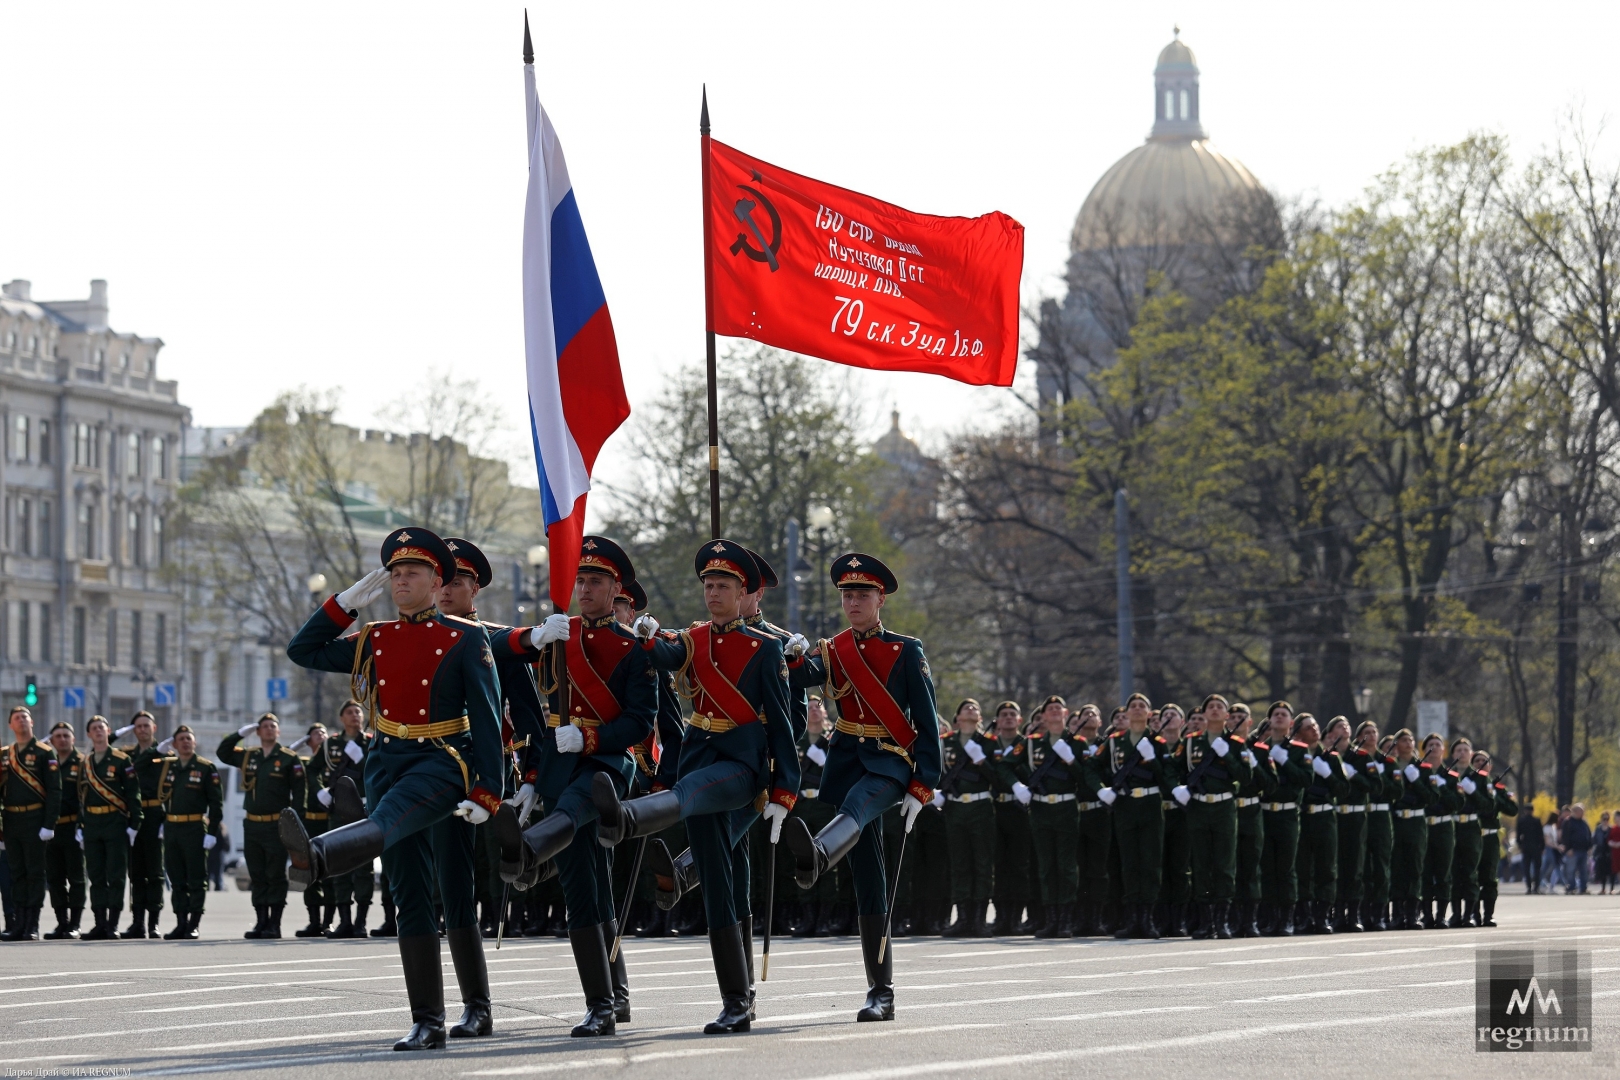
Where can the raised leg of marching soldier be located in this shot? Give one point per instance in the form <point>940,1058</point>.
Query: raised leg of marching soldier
<point>1175,890</point>
<point>1352,821</point>
<point>1279,881</point>
<point>1317,865</point>
<point>970,830</point>
<point>1376,867</point>
<point>1055,829</point>
<point>1465,870</point>
<point>1096,836</point>
<point>64,874</point>
<point>1212,837</point>
<point>1251,843</point>
<point>1011,894</point>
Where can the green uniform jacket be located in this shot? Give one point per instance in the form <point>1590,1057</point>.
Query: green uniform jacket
<point>1496,801</point>
<point>1366,782</point>
<point>961,776</point>
<point>1226,773</point>
<point>1414,794</point>
<point>1293,774</point>
<point>1262,782</point>
<point>69,768</point>
<point>32,779</point>
<point>1043,770</point>
<point>1332,789</point>
<point>1175,771</point>
<point>338,763</point>
<point>1448,797</point>
<point>269,782</point>
<point>1391,784</point>
<point>1003,777</point>
<point>1117,750</point>
<point>194,788</point>
<point>315,779</point>
<point>116,773</point>
<point>151,770</point>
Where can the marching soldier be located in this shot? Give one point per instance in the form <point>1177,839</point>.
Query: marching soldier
<point>33,799</point>
<point>1361,781</point>
<point>434,702</point>
<point>885,750</point>
<point>1279,881</point>
<point>345,752</point>
<point>966,795</point>
<point>1011,892</point>
<point>109,821</point>
<point>1383,789</point>
<point>1046,779</point>
<point>1096,829</point>
<point>146,857</point>
<point>1317,860</point>
<point>603,701</point>
<point>64,858</point>
<point>272,780</point>
<point>1465,853</point>
<point>1213,767</point>
<point>317,902</point>
<point>1175,880</point>
<point>1128,776</point>
<point>1409,810</point>
<point>1495,801</point>
<point>1251,844</point>
<point>1442,819</point>
<point>194,808</point>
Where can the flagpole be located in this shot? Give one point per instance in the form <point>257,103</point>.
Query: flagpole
<point>708,326</point>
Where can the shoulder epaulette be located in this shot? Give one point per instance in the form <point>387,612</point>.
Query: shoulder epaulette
<point>459,619</point>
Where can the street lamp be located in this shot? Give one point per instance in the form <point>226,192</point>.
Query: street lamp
<point>820,519</point>
<point>539,555</point>
<point>1364,701</point>
<point>316,584</point>
<point>1524,533</point>
<point>1561,476</point>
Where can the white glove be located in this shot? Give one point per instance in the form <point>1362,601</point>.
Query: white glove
<point>324,797</point>
<point>353,752</point>
<point>1183,796</point>
<point>797,645</point>
<point>1248,758</point>
<point>47,834</point>
<point>555,628</point>
<point>209,840</point>
<point>1107,795</point>
<point>78,834</point>
<point>1062,749</point>
<point>644,627</point>
<point>1379,766</point>
<point>1020,792</point>
<point>470,810</point>
<point>364,591</point>
<point>938,799</point>
<point>817,755</point>
<point>166,746</point>
<point>1220,746</point>
<point>910,807</point>
<point>570,740</point>
<point>1279,754</point>
<point>131,833</point>
<point>1411,774</point>
<point>299,745</point>
<point>1437,780</point>
<point>1349,773</point>
<point>1144,746</point>
<point>1094,749</point>
<point>523,802</point>
<point>974,751</point>
<point>125,730</point>
<point>775,813</point>
<point>1467,785</point>
<point>247,729</point>
<point>1320,766</point>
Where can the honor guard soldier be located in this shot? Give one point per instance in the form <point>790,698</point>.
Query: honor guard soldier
<point>885,750</point>
<point>317,902</point>
<point>1251,793</point>
<point>603,701</point>
<point>194,808</point>
<point>1364,782</point>
<point>1213,769</point>
<point>966,793</point>
<point>1011,893</point>
<point>1380,827</point>
<point>1047,780</point>
<point>1442,819</point>
<point>33,794</point>
<point>1279,881</point>
<point>272,781</point>
<point>430,687</point>
<point>1128,775</point>
<point>1316,860</point>
<point>146,857</point>
<point>1409,811</point>
<point>1494,801</point>
<point>64,858</point>
<point>109,822</point>
<point>737,748</point>
<point>345,753</point>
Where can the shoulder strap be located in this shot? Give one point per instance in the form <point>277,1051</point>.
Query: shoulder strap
<point>584,678</point>
<point>873,694</point>
<point>111,797</point>
<point>715,686</point>
<point>22,773</point>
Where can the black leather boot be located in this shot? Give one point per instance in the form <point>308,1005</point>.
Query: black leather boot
<point>1178,921</point>
<point>1324,916</point>
<point>879,973</point>
<point>347,806</point>
<point>1129,923</point>
<point>963,926</point>
<point>312,905</point>
<point>747,924</point>
<point>1488,918</point>
<point>1057,923</point>
<point>389,926</point>
<point>621,973</point>
<point>1150,929</point>
<point>137,924</point>
<point>424,988</point>
<point>99,931</point>
<point>618,821</point>
<point>813,854</point>
<point>1223,928</point>
<point>1206,922</point>
<point>337,851</point>
<point>472,976</point>
<point>809,917</point>
<point>272,925</point>
<point>981,913</point>
<point>181,923</point>
<point>673,877</point>
<point>262,915</point>
<point>522,850</point>
<point>731,971</point>
<point>192,921</point>
<point>595,978</point>
<point>345,926</point>
<point>64,927</point>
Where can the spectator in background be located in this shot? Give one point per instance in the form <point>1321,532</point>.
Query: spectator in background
<point>1554,852</point>
<point>1532,845</point>
<point>1602,872</point>
<point>1576,839</point>
<point>1613,854</point>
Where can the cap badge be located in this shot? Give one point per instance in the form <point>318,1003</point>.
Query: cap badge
<point>854,562</point>
<point>589,545</point>
<point>404,538</point>
<point>719,548</point>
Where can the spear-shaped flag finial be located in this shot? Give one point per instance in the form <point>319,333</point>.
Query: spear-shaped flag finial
<point>528,45</point>
<point>703,121</point>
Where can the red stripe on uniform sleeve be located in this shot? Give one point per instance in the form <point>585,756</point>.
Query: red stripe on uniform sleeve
<point>515,640</point>
<point>920,791</point>
<point>783,797</point>
<point>335,612</point>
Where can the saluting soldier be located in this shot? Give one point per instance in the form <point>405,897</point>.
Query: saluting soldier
<point>109,821</point>
<point>1213,767</point>
<point>33,799</point>
<point>1383,791</point>
<point>603,699</point>
<point>885,750</point>
<point>1251,793</point>
<point>1411,841</point>
<point>1175,880</point>
<point>1361,781</point>
<point>1279,879</point>
<point>64,858</point>
<point>1468,842</point>
<point>1129,774</point>
<point>152,767</point>
<point>1317,860</point>
<point>968,799</point>
<point>1013,853</point>
<point>272,780</point>
<point>1495,801</point>
<point>431,689</point>
<point>1442,819</point>
<point>194,809</point>
<point>345,753</point>
<point>1096,828</point>
<point>317,902</point>
<point>1047,780</point>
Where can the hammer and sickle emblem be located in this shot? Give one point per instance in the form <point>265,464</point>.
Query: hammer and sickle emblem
<point>744,209</point>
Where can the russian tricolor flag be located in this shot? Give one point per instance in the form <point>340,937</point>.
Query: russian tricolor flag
<point>576,392</point>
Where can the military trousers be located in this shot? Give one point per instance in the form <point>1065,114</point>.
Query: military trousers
<point>1352,854</point>
<point>1380,849</point>
<point>1011,890</point>
<point>1251,847</point>
<point>64,868</point>
<point>1176,884</point>
<point>266,862</point>
<point>1096,837</point>
<point>356,887</point>
<point>451,842</point>
<point>1409,849</point>
<point>1054,830</point>
<point>585,867</point>
<point>970,830</point>
<point>1279,880</point>
<point>106,859</point>
<point>25,857</point>
<point>146,863</point>
<point>893,826</point>
<point>707,797</point>
<point>1490,856</point>
<point>1316,865</point>
<point>1139,843</point>
<point>1466,847</point>
<point>1212,837</point>
<point>1437,861</point>
<point>187,865</point>
<point>407,795</point>
<point>930,873</point>
<point>866,802</point>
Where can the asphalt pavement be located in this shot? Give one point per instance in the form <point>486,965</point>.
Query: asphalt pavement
<point>1363,1005</point>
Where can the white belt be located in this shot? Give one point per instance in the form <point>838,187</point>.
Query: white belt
<point>1142,792</point>
<point>1319,808</point>
<point>1359,808</point>
<point>1242,802</point>
<point>1442,819</point>
<point>1049,799</point>
<point>1489,832</point>
<point>972,796</point>
<point>1280,805</point>
<point>1467,817</point>
<point>1408,813</point>
<point>809,792</point>
<point>1379,806</point>
<point>1222,797</point>
<point>1088,805</point>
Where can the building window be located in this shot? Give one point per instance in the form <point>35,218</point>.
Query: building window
<point>132,539</point>
<point>222,681</point>
<point>132,455</point>
<point>1169,104</point>
<point>123,361</point>
<point>87,531</point>
<point>1184,111</point>
<point>81,627</point>
<point>98,357</point>
<point>25,526</point>
<point>135,639</point>
<point>160,461</point>
<point>160,551</point>
<point>24,634</point>
<point>33,344</point>
<point>44,441</point>
<point>160,641</point>
<point>112,637</point>
<point>45,632</point>
<point>86,446</point>
<point>19,438</point>
<point>46,547</point>
<point>5,525</point>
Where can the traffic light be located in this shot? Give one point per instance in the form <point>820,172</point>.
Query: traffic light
<point>31,694</point>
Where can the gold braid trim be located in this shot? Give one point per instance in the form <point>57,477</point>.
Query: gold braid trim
<point>361,683</point>
<point>684,686</point>
<point>825,649</point>
<point>548,663</point>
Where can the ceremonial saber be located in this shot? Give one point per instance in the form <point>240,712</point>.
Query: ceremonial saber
<point>506,907</point>
<point>629,895</point>
<point>770,913</point>
<point>894,894</point>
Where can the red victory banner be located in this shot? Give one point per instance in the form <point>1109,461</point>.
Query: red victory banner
<point>828,272</point>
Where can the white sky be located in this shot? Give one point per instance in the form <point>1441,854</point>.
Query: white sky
<point>332,194</point>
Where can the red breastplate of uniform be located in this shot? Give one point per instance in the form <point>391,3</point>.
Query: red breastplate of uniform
<point>718,660</point>
<point>870,702</point>
<point>405,657</point>
<point>593,652</point>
